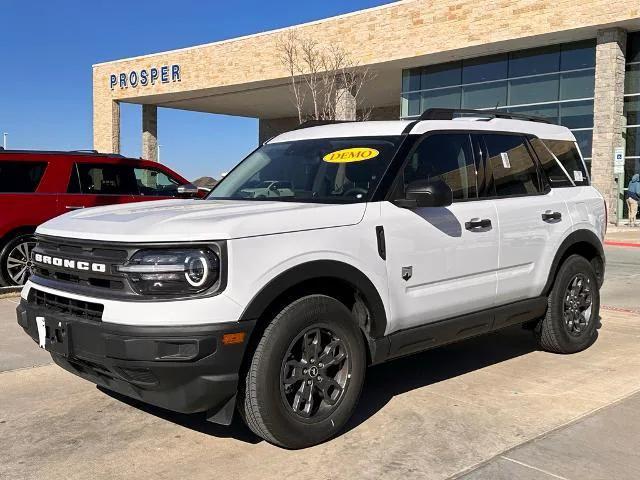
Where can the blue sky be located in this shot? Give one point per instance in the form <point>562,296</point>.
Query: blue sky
<point>47,48</point>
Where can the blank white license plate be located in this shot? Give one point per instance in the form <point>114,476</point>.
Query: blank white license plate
<point>42,329</point>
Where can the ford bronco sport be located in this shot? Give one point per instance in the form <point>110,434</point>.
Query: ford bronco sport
<point>398,236</point>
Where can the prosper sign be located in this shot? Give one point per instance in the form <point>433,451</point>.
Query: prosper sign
<point>145,77</point>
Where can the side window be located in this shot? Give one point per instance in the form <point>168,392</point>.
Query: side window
<point>155,182</point>
<point>74,180</point>
<point>568,155</point>
<point>513,171</point>
<point>20,177</point>
<point>448,157</point>
<point>550,165</point>
<point>106,179</point>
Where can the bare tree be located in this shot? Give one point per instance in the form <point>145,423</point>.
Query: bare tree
<point>325,82</point>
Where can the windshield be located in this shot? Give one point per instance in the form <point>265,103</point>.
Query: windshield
<point>332,170</point>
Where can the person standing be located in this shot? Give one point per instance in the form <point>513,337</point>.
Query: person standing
<point>633,197</point>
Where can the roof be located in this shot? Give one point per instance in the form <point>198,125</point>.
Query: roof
<point>397,127</point>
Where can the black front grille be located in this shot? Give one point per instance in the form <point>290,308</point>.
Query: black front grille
<point>80,251</point>
<point>66,306</point>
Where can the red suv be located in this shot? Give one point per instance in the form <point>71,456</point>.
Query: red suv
<point>37,186</point>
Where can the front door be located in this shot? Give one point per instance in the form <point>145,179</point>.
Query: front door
<point>441,261</point>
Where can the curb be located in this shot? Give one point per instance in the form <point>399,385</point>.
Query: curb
<point>7,292</point>
<point>621,244</point>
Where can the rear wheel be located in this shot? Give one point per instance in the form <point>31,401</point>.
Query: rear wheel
<point>306,374</point>
<point>571,321</point>
<point>15,260</point>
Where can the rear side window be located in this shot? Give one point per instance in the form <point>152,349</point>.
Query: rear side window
<point>447,157</point>
<point>106,179</point>
<point>568,155</point>
<point>553,169</point>
<point>512,170</point>
<point>20,177</point>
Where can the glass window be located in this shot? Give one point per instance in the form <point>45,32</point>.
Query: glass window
<point>325,170</point>
<point>411,79</point>
<point>550,166</point>
<point>74,180</point>
<point>443,75</point>
<point>632,110</point>
<point>578,55</point>
<point>577,114</point>
<point>550,112</point>
<point>488,95</point>
<point>632,79</point>
<point>585,141</point>
<point>411,104</point>
<point>441,98</point>
<point>577,84</point>
<point>513,170</point>
<point>446,157</point>
<point>633,142</point>
<point>154,182</point>
<point>107,179</point>
<point>633,47</point>
<point>534,90</point>
<point>534,61</point>
<point>567,154</point>
<point>492,67</point>
<point>20,177</point>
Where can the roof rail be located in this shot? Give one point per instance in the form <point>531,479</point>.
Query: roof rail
<point>450,114</point>
<point>83,150</point>
<point>65,152</point>
<point>317,123</point>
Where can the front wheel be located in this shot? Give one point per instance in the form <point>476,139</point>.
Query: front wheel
<point>15,260</point>
<point>306,374</point>
<point>573,310</point>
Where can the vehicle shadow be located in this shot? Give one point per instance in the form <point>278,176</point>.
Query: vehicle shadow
<point>383,382</point>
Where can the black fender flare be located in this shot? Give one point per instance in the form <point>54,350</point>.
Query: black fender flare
<point>574,238</point>
<point>321,269</point>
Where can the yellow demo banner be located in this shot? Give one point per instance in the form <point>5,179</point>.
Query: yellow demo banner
<point>348,155</point>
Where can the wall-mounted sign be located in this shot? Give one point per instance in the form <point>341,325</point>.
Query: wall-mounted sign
<point>618,160</point>
<point>145,77</point>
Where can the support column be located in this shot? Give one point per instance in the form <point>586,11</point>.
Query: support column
<point>106,126</point>
<point>608,117</point>
<point>345,104</point>
<point>150,132</point>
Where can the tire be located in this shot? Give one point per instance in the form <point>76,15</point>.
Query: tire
<point>570,326</point>
<point>271,398</point>
<point>11,257</point>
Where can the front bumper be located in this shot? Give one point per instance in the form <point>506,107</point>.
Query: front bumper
<point>186,369</point>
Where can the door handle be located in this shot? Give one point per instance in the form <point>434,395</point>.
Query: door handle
<point>73,207</point>
<point>550,216</point>
<point>478,224</point>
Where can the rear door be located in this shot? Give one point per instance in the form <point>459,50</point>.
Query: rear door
<point>533,218</point>
<point>96,184</point>
<point>441,261</point>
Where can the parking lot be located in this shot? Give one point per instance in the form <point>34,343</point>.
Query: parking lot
<point>492,407</point>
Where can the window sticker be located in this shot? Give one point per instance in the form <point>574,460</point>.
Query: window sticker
<point>577,176</point>
<point>348,155</point>
<point>505,160</point>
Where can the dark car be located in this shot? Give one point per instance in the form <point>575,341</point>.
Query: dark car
<point>36,186</point>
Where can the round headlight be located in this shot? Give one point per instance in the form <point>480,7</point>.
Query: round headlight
<point>197,270</point>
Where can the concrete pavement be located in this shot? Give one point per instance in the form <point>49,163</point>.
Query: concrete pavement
<point>491,407</point>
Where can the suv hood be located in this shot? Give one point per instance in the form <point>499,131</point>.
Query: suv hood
<point>180,220</point>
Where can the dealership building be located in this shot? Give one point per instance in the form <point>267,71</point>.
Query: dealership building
<point>575,63</point>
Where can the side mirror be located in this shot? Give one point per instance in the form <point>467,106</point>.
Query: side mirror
<point>188,189</point>
<point>426,193</point>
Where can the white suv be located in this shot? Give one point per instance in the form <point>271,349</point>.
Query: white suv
<point>397,237</point>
